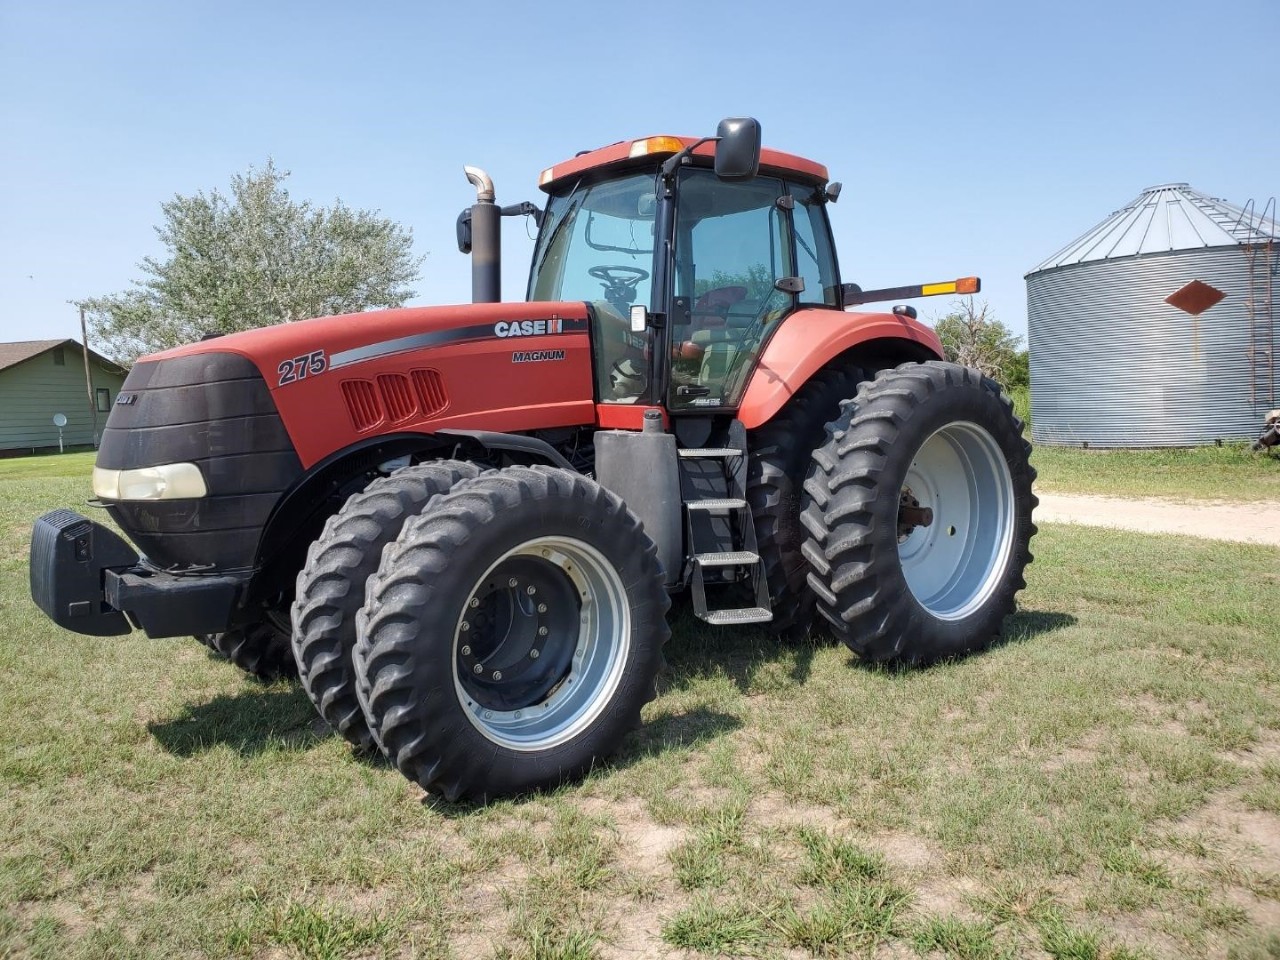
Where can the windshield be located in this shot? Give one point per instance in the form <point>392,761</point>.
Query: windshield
<point>596,244</point>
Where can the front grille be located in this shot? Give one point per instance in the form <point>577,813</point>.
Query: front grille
<point>213,410</point>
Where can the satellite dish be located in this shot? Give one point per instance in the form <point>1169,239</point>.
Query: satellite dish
<point>59,420</point>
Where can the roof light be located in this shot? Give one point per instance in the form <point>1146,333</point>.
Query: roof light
<point>651,145</point>
<point>546,176</point>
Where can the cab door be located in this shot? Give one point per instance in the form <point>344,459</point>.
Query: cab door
<point>732,245</point>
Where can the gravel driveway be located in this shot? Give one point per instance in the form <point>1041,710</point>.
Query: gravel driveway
<point>1243,522</point>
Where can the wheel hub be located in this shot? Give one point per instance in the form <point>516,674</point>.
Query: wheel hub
<point>518,634</point>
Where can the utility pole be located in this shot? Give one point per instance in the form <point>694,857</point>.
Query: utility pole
<point>88,380</point>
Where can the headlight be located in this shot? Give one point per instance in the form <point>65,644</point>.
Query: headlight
<point>171,481</point>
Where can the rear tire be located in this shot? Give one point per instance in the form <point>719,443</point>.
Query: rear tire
<point>781,454</point>
<point>331,587</point>
<point>512,634</point>
<point>936,436</point>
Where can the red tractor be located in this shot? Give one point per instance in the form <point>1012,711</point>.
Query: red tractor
<point>461,525</point>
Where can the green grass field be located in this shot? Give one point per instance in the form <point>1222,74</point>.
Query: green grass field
<point>1105,784</point>
<point>1232,472</point>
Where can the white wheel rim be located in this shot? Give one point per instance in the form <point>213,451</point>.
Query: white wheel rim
<point>597,656</point>
<point>954,564</point>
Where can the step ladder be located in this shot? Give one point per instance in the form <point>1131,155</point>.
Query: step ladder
<point>720,531</point>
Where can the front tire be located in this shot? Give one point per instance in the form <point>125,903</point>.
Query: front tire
<point>260,648</point>
<point>512,634</point>
<point>918,521</point>
<point>331,586</point>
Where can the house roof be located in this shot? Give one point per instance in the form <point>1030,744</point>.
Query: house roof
<point>14,353</point>
<point>1165,218</point>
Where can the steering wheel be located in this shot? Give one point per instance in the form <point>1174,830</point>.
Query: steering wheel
<point>619,276</point>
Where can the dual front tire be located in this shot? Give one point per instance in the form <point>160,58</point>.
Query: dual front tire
<point>512,634</point>
<point>490,633</point>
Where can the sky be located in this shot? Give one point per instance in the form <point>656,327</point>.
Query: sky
<point>974,138</point>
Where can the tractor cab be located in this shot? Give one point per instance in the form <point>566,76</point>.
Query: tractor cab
<point>689,262</point>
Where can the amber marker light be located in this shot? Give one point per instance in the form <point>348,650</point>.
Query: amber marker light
<point>650,145</point>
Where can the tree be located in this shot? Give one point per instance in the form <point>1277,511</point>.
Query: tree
<point>250,260</point>
<point>972,338</point>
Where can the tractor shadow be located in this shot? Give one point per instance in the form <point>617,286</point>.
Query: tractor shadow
<point>279,717</point>
<point>259,719</point>
<point>743,655</point>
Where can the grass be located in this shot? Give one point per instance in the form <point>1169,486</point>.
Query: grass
<point>1231,472</point>
<point>1104,784</point>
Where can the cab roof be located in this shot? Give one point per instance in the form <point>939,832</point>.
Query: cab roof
<point>646,150</point>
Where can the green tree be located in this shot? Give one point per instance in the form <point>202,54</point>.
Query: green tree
<point>973,338</point>
<point>252,259</point>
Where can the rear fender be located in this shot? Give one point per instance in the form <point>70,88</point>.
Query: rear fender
<point>810,339</point>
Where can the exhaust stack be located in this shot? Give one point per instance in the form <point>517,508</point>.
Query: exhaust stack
<point>486,240</point>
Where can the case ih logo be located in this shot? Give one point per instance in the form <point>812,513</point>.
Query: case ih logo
<point>528,328</point>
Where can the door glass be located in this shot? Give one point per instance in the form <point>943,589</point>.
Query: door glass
<point>732,244</point>
<point>815,259</point>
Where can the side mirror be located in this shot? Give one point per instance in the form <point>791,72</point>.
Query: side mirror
<point>738,148</point>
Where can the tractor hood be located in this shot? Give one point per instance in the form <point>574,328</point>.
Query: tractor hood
<point>357,337</point>
<point>338,381</point>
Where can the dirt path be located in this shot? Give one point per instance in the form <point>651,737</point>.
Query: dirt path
<point>1216,520</point>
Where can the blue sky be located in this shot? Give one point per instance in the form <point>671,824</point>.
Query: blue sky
<point>970,138</point>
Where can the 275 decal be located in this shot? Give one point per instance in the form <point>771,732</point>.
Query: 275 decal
<point>299,368</point>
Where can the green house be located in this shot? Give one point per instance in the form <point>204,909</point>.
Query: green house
<point>40,379</point>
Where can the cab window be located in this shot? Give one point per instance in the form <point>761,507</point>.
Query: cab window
<point>815,258</point>
<point>596,244</point>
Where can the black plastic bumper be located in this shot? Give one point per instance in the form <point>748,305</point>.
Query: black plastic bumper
<point>89,580</point>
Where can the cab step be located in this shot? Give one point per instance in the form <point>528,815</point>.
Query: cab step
<point>720,618</point>
<point>727,558</point>
<point>717,503</point>
<point>720,531</point>
<point>694,453</point>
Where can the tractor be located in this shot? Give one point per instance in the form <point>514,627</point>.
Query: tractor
<point>462,526</point>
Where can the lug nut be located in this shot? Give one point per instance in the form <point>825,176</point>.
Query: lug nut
<point>477,669</point>
<point>542,608</point>
<point>497,674</point>
<point>475,602</point>
<point>531,590</point>
<point>533,654</point>
<point>465,626</point>
<point>542,631</point>
<point>465,651</point>
<point>512,582</point>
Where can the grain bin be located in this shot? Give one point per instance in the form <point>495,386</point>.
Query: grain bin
<point>1157,328</point>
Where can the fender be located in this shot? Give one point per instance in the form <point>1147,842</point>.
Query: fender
<point>809,339</point>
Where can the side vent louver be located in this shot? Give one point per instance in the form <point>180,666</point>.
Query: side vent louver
<point>362,403</point>
<point>430,390</point>
<point>397,398</point>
